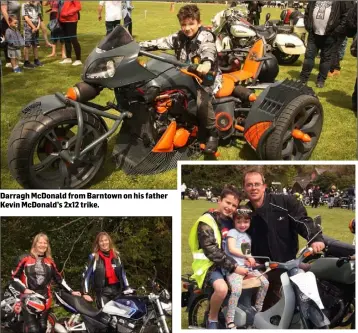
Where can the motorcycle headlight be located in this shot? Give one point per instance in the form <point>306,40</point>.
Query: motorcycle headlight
<point>103,68</point>
<point>164,296</point>
<point>167,308</point>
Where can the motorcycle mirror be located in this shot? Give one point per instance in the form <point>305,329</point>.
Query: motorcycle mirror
<point>268,15</point>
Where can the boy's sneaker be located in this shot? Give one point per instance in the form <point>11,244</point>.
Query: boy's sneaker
<point>29,65</point>
<point>37,63</point>
<point>17,70</point>
<point>77,63</point>
<point>8,65</point>
<point>66,61</point>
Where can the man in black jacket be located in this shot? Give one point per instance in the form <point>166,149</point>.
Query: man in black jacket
<point>325,22</point>
<point>275,225</point>
<point>254,8</point>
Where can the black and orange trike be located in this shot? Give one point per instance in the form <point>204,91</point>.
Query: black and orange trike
<point>61,140</point>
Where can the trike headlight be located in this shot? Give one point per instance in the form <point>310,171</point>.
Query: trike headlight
<point>103,68</point>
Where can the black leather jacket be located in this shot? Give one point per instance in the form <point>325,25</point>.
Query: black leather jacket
<point>95,275</point>
<point>210,246</point>
<point>336,25</point>
<point>286,218</point>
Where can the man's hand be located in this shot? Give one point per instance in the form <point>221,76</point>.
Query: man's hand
<point>99,17</point>
<point>241,270</point>
<point>204,68</point>
<point>88,298</point>
<point>317,246</point>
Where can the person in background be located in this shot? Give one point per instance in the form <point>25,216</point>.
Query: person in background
<point>15,41</point>
<point>69,14</point>
<point>331,195</point>
<point>316,194</point>
<point>351,31</point>
<point>255,9</point>
<point>338,57</point>
<point>325,22</point>
<point>127,14</point>
<point>105,274</point>
<point>32,16</point>
<point>113,14</point>
<point>9,8</point>
<point>183,189</point>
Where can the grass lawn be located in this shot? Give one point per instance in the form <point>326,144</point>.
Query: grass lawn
<point>151,20</point>
<point>334,222</point>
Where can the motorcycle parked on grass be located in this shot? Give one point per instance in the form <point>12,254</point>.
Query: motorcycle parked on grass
<point>193,194</point>
<point>11,312</point>
<point>209,195</point>
<point>126,313</point>
<point>320,294</point>
<point>234,31</point>
<point>61,140</point>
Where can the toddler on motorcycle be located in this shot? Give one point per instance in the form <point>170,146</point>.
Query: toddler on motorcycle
<point>194,44</point>
<point>239,247</point>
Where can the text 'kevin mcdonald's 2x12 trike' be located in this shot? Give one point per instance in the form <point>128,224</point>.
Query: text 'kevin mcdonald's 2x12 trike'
<point>61,140</point>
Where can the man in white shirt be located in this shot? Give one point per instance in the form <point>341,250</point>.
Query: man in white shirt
<point>113,14</point>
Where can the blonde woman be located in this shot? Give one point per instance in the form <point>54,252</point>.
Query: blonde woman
<point>34,273</point>
<point>105,274</point>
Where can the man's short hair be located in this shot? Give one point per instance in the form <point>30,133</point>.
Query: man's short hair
<point>253,170</point>
<point>230,190</point>
<point>189,12</point>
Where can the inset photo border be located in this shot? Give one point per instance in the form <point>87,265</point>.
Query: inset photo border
<point>257,235</point>
<point>93,274</point>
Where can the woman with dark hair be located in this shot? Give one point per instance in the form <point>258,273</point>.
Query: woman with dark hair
<point>34,273</point>
<point>105,274</point>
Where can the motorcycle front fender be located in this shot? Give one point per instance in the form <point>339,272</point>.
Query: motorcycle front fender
<point>289,44</point>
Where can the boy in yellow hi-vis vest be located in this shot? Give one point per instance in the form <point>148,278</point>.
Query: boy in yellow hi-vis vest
<point>205,241</point>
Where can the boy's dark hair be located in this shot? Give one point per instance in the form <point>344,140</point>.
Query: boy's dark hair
<point>189,12</point>
<point>12,18</point>
<point>230,190</point>
<point>253,170</point>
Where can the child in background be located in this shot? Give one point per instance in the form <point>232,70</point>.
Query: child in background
<point>239,247</point>
<point>32,17</point>
<point>55,35</point>
<point>15,41</point>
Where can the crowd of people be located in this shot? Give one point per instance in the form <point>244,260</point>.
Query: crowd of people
<point>63,21</point>
<point>104,278</point>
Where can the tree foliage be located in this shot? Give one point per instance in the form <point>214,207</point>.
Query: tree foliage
<point>216,176</point>
<point>143,242</point>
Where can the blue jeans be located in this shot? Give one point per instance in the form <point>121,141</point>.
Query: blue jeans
<point>314,43</point>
